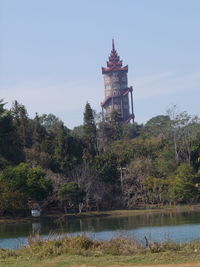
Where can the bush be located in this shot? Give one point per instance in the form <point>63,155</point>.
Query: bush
<point>156,247</point>
<point>20,183</point>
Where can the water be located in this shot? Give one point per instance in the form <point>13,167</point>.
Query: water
<point>179,227</point>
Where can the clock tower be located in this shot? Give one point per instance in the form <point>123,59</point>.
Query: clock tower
<point>116,88</point>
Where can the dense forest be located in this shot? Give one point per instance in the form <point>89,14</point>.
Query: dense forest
<point>102,164</point>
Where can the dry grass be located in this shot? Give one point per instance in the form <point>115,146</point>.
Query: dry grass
<point>59,250</point>
<point>57,245</point>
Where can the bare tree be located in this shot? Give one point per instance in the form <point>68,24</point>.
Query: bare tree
<point>133,182</point>
<point>184,129</point>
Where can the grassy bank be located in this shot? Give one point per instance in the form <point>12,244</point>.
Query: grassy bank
<point>66,251</point>
<point>143,210</point>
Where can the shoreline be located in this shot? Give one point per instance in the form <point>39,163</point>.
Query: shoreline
<point>111,213</point>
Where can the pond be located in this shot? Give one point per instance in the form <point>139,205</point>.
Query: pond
<point>179,227</point>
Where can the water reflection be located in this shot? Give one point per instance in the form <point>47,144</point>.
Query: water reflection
<point>181,227</point>
<point>36,227</point>
<point>129,222</point>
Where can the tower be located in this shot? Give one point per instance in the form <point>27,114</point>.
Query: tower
<point>116,88</point>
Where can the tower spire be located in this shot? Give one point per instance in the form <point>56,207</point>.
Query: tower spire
<point>114,62</point>
<point>113,44</point>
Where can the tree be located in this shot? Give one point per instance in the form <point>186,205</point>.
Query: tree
<point>38,187</point>
<point>78,131</point>
<point>30,182</point>
<point>21,121</point>
<point>195,155</point>
<point>68,150</point>
<point>158,126</point>
<point>116,125</point>
<point>183,184</point>
<point>184,129</point>
<point>72,195</point>
<point>130,131</point>
<point>60,149</point>
<point>50,122</point>
<point>11,200</point>
<point>39,133</point>
<point>96,191</point>
<point>156,190</point>
<point>134,182</point>
<point>106,168</point>
<point>2,104</point>
<point>90,131</point>
<point>10,145</point>
<point>110,130</point>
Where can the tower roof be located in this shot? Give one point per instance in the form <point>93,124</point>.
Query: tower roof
<point>114,63</point>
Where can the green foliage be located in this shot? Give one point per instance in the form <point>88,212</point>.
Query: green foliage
<point>105,165</point>
<point>50,122</point>
<point>2,104</point>
<point>37,186</point>
<point>90,131</point>
<point>39,133</point>
<point>10,146</point>
<point>183,184</point>
<point>112,129</point>
<point>156,190</point>
<point>68,150</point>
<point>78,131</point>
<point>60,149</point>
<point>157,126</point>
<point>3,162</point>
<point>195,154</point>
<point>130,131</point>
<point>116,126</point>
<point>72,193</point>
<point>155,160</point>
<point>21,122</point>
<point>29,181</point>
<point>140,147</point>
<point>11,199</point>
<point>164,163</point>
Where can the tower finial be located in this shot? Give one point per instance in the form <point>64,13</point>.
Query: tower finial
<point>113,44</point>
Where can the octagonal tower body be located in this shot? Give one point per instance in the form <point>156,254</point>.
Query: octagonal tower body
<point>116,88</point>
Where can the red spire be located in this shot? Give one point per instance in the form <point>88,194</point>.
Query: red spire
<point>114,62</point>
<point>114,59</point>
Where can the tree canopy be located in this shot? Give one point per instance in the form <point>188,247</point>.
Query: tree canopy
<point>100,164</point>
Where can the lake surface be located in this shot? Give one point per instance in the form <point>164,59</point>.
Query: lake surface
<point>179,227</point>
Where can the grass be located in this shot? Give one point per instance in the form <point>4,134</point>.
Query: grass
<point>148,209</point>
<point>67,251</point>
<point>107,260</point>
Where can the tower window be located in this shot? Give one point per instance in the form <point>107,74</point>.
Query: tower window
<point>115,79</point>
<point>108,86</point>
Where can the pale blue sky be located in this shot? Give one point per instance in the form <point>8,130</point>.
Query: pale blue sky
<point>51,53</point>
